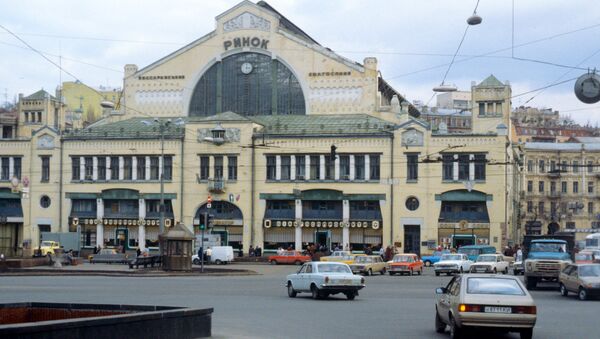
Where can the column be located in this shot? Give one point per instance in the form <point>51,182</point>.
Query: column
<point>293,167</point>
<point>298,230</point>
<point>81,168</point>
<point>471,167</point>
<point>95,168</point>
<point>160,167</point>
<point>142,228</point>
<point>455,168</point>
<point>337,168</point>
<point>121,168</point>
<point>307,167</point>
<point>134,168</point>
<point>225,167</point>
<point>346,222</point>
<point>322,165</point>
<point>277,167</point>
<point>108,171</point>
<point>11,168</point>
<point>352,174</point>
<point>147,167</point>
<point>100,226</point>
<point>367,167</point>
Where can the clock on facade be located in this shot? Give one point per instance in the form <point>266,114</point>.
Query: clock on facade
<point>246,68</point>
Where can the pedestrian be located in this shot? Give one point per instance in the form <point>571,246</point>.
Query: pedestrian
<point>251,251</point>
<point>381,251</point>
<point>280,251</point>
<point>388,253</point>
<point>240,252</point>
<point>138,252</point>
<point>258,251</point>
<point>208,254</point>
<point>70,257</point>
<point>200,253</point>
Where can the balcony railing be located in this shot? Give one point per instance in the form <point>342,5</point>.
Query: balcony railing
<point>554,194</point>
<point>554,173</point>
<point>469,216</point>
<point>216,185</point>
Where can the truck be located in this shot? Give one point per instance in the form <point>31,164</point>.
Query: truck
<point>546,256</point>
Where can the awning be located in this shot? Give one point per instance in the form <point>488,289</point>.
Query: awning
<point>11,208</point>
<point>463,195</point>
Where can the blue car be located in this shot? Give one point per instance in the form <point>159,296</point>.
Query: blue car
<point>429,260</point>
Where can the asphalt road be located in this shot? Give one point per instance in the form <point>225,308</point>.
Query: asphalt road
<point>258,306</point>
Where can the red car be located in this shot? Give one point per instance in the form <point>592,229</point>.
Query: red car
<point>408,263</point>
<point>289,257</point>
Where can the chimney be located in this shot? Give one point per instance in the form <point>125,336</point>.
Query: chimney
<point>370,63</point>
<point>130,69</point>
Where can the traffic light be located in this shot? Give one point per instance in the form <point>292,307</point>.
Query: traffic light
<point>333,154</point>
<point>203,222</point>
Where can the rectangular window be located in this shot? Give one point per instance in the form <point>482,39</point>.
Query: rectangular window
<point>575,166</point>
<point>271,167</point>
<point>530,186</point>
<point>204,166</point>
<point>154,168</point>
<point>463,167</point>
<point>75,169</point>
<point>447,167</point>
<point>530,206</point>
<point>114,168</point>
<point>89,168</point>
<point>412,167</point>
<point>17,167</point>
<point>591,207</point>
<point>482,108</point>
<point>590,187</point>
<point>541,187</point>
<point>344,167</point>
<point>553,208</point>
<point>563,207</point>
<point>232,173</point>
<point>359,167</point>
<point>563,187</point>
<point>590,166</point>
<point>101,168</point>
<point>552,186</point>
<point>127,168</point>
<point>480,163</point>
<point>45,168</point>
<point>542,166</point>
<point>374,167</point>
<point>329,168</point>
<point>563,166</point>
<point>39,115</point>
<point>285,167</point>
<point>575,187</point>
<point>168,167</point>
<point>570,225</point>
<point>315,167</point>
<point>218,167</point>
<point>541,208</point>
<point>300,167</point>
<point>141,168</point>
<point>552,166</point>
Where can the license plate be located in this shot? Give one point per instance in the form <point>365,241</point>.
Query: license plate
<point>345,281</point>
<point>480,269</point>
<point>495,309</point>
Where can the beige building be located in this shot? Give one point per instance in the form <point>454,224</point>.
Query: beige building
<point>289,142</point>
<point>560,188</point>
<point>83,103</point>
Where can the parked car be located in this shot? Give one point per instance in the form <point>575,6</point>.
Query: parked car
<point>490,263</point>
<point>345,257</point>
<point>289,257</point>
<point>368,264</point>
<point>429,260</point>
<point>322,279</point>
<point>220,255</point>
<point>109,256</point>
<point>485,301</point>
<point>408,263</point>
<point>583,279</point>
<point>452,263</point>
<point>48,247</point>
<point>474,251</point>
<point>518,268</point>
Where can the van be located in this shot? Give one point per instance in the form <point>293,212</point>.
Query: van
<point>221,254</point>
<point>473,251</point>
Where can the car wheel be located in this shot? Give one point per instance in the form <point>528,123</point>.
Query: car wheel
<point>350,295</point>
<point>437,274</point>
<point>563,290</point>
<point>410,273</point>
<point>273,262</point>
<point>421,271</point>
<point>391,273</point>
<point>455,331</point>
<point>196,261</point>
<point>427,263</point>
<point>382,272</point>
<point>218,262</point>
<point>440,327</point>
<point>582,294</point>
<point>291,292</point>
<point>370,272</point>
<point>527,333</point>
<point>461,270</point>
<point>515,272</point>
<point>314,292</point>
<point>298,262</point>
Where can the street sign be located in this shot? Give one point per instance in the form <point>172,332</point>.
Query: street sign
<point>209,205</point>
<point>231,197</point>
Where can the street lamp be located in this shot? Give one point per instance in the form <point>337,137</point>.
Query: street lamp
<point>163,125</point>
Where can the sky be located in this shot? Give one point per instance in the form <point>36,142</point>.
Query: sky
<point>413,40</point>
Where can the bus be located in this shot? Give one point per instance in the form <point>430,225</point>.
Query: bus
<point>592,242</point>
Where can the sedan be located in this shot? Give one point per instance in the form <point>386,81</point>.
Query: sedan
<point>289,257</point>
<point>452,263</point>
<point>583,279</point>
<point>322,279</point>
<point>368,264</point>
<point>484,302</point>
<point>408,263</point>
<point>490,263</point>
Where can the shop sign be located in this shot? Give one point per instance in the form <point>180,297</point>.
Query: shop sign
<point>375,224</point>
<point>463,225</point>
<point>246,42</point>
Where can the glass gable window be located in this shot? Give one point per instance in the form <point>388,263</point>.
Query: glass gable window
<point>248,84</point>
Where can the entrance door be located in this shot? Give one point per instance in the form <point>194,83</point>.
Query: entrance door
<point>224,237</point>
<point>9,237</point>
<point>323,238</point>
<point>122,238</point>
<point>412,239</point>
<point>459,241</point>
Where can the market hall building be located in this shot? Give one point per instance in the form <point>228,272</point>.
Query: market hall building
<point>248,115</point>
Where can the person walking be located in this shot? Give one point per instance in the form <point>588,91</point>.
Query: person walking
<point>251,251</point>
<point>208,254</point>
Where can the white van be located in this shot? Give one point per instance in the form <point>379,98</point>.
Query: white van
<point>221,254</point>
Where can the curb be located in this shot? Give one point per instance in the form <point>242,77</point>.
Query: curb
<point>33,272</point>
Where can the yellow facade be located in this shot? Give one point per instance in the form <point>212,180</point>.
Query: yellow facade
<point>83,102</point>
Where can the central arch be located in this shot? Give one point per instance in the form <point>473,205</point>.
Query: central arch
<point>227,220</point>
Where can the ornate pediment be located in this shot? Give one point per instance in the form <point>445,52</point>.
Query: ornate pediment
<point>46,141</point>
<point>412,137</point>
<point>207,135</point>
<point>246,20</point>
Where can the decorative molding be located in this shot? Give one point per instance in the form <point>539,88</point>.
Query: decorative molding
<point>412,137</point>
<point>46,141</point>
<point>231,134</point>
<point>330,94</point>
<point>159,96</point>
<point>246,20</point>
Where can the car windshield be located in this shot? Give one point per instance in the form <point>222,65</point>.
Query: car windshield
<point>548,247</point>
<point>486,258</point>
<point>502,286</point>
<point>583,256</point>
<point>451,257</point>
<point>46,243</point>
<point>362,260</point>
<point>468,251</point>
<point>333,268</point>
<point>589,271</point>
<point>403,258</point>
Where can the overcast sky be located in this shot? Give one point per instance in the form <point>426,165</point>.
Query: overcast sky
<point>413,40</point>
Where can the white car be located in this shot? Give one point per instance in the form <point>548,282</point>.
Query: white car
<point>322,279</point>
<point>452,263</point>
<point>490,263</point>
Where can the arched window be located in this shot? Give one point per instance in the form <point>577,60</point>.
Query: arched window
<point>247,84</point>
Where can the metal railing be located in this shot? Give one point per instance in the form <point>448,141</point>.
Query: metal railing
<point>216,185</point>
